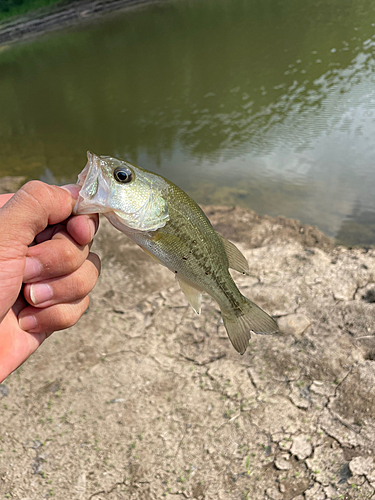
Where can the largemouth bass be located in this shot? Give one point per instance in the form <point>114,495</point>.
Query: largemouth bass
<point>168,225</point>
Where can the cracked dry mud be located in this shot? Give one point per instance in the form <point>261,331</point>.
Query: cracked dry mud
<point>145,400</point>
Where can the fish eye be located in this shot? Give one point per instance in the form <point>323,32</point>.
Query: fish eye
<point>122,175</point>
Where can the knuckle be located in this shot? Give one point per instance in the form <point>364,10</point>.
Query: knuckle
<point>34,187</point>
<point>71,313</point>
<point>70,319</point>
<point>36,191</point>
<point>34,195</point>
<point>62,318</point>
<point>85,280</point>
<point>81,286</point>
<point>70,256</point>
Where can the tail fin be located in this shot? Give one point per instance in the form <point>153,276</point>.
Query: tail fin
<point>240,322</point>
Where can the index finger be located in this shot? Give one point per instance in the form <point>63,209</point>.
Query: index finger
<point>83,227</point>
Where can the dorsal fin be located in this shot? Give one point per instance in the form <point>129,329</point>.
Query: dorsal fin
<point>237,261</point>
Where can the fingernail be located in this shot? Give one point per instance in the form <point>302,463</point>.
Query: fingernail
<point>28,323</point>
<point>40,292</point>
<point>33,268</point>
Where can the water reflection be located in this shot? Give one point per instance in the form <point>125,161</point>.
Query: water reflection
<point>266,104</point>
<point>359,226</point>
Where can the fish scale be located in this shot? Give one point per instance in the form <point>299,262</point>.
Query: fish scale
<point>212,260</point>
<point>168,225</point>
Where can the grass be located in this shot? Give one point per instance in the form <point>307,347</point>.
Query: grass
<point>13,8</point>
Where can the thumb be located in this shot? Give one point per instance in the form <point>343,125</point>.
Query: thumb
<point>27,213</point>
<point>32,209</point>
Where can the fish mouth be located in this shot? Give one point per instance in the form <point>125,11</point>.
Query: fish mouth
<point>94,188</point>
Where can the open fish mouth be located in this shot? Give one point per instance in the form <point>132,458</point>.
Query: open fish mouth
<point>83,175</point>
<point>131,205</point>
<point>94,191</point>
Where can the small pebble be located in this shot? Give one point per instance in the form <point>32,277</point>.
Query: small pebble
<point>4,391</point>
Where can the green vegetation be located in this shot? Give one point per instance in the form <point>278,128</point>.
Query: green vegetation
<point>10,8</point>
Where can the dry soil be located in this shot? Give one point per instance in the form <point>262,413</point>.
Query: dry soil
<point>143,399</point>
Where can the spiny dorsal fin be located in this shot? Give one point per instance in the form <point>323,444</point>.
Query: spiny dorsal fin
<point>237,261</point>
<point>192,294</point>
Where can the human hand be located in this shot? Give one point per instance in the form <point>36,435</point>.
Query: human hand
<point>46,268</point>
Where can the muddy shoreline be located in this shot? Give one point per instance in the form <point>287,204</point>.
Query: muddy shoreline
<point>143,399</point>
<point>45,20</point>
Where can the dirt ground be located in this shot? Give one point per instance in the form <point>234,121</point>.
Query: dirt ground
<point>143,399</point>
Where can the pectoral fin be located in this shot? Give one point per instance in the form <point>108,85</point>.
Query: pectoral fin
<point>151,255</point>
<point>237,261</point>
<point>192,294</point>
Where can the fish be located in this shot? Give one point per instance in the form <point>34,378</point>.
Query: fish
<point>169,226</point>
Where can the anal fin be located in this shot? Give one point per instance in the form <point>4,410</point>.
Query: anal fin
<point>192,294</point>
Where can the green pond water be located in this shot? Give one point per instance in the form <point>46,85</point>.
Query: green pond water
<point>266,104</point>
